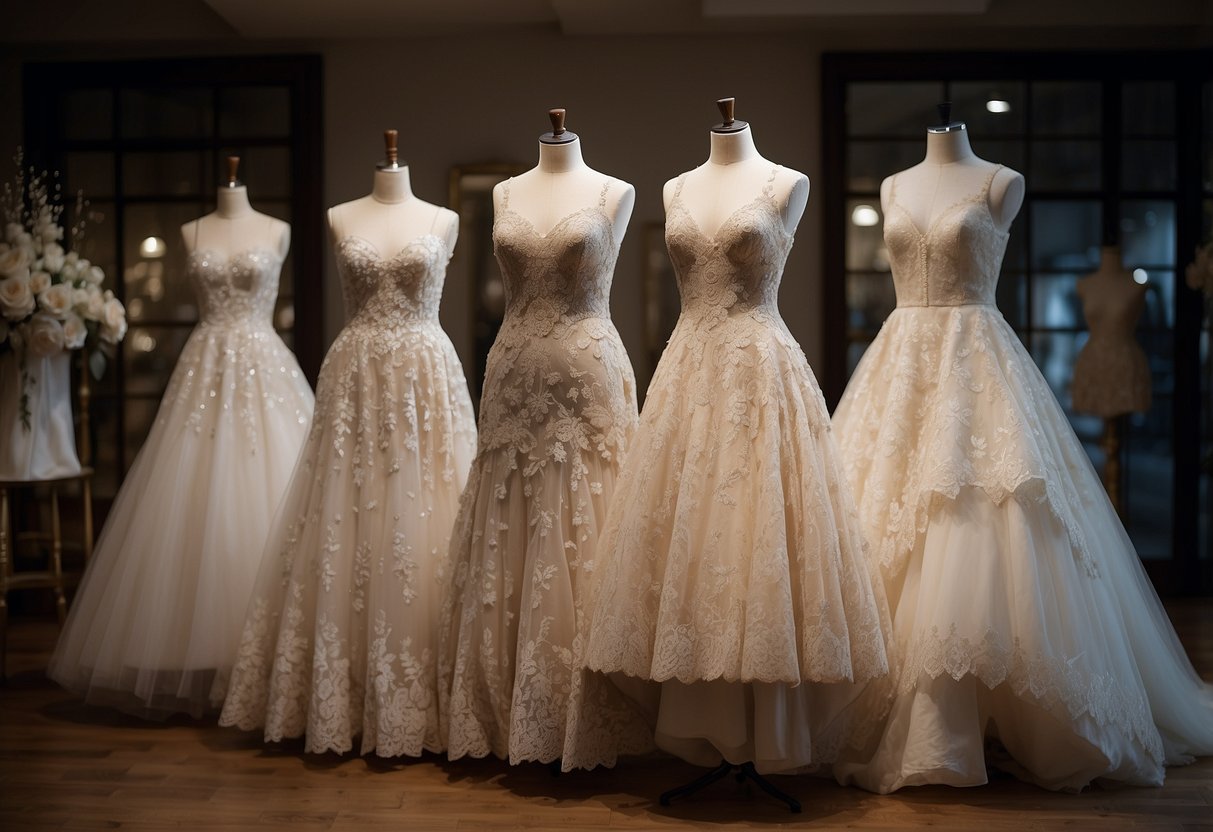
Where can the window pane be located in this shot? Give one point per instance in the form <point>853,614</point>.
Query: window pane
<point>255,111</point>
<point>139,415</point>
<point>994,108</point>
<point>157,288</point>
<point>164,114</point>
<point>1066,108</point>
<point>1054,353</point>
<point>99,243</point>
<point>1016,255</point>
<point>149,355</point>
<point>1147,230</point>
<point>868,163</point>
<point>267,173</point>
<point>1055,302</point>
<point>88,114</point>
<point>892,109</point>
<point>103,423</point>
<point>1160,352</point>
<point>91,172</point>
<point>870,299</point>
<point>1148,483</point>
<point>1160,299</point>
<point>1009,152</point>
<point>1148,108</point>
<point>163,174</point>
<point>866,251</point>
<point>1065,236</point>
<point>1065,166</point>
<point>1012,298</point>
<point>1148,165</point>
<point>855,351</point>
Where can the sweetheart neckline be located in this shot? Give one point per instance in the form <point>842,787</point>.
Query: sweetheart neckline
<point>713,239</point>
<point>610,224</point>
<point>227,258</point>
<point>375,249</point>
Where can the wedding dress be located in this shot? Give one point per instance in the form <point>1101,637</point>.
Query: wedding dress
<point>1026,624</point>
<point>340,637</point>
<point>558,409</point>
<point>731,568</point>
<point>155,623</point>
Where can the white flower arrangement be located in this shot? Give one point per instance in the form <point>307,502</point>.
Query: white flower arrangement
<point>50,297</point>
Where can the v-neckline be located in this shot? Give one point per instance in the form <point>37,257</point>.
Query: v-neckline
<point>560,222</point>
<point>713,238</point>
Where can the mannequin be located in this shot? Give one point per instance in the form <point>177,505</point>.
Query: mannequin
<point>733,176</point>
<point>391,217</point>
<point>563,184</point>
<point>950,173</point>
<point>234,226</point>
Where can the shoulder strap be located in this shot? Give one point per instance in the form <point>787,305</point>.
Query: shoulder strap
<point>990,180</point>
<point>606,186</point>
<point>505,193</point>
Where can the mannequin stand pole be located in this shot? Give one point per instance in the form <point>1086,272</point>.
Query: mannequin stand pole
<point>744,771</point>
<point>1110,445</point>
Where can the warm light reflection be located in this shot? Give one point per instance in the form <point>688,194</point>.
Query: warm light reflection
<point>865,216</point>
<point>152,247</point>
<point>143,341</point>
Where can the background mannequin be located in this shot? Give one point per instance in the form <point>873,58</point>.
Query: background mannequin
<point>234,226</point>
<point>563,184</point>
<point>391,217</point>
<point>951,173</point>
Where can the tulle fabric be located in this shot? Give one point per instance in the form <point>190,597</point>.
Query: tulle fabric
<point>155,623</point>
<point>1021,611</point>
<point>340,641</point>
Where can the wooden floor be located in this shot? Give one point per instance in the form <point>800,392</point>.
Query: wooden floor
<point>64,765</point>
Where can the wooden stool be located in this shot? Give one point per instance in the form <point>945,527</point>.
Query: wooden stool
<point>52,577</point>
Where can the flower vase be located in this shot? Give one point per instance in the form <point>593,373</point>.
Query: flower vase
<point>47,448</point>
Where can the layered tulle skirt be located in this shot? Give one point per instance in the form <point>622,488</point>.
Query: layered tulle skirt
<point>1030,636</point>
<point>557,413</point>
<point>340,639</point>
<point>155,623</point>
<point>731,568</point>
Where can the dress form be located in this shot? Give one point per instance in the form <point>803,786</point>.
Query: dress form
<point>391,216</point>
<point>562,184</point>
<point>949,174</point>
<point>734,175</point>
<point>1105,381</point>
<point>234,226</point>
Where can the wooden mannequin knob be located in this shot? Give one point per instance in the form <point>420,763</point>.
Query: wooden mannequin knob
<point>726,109</point>
<point>557,117</point>
<point>233,165</point>
<point>391,153</point>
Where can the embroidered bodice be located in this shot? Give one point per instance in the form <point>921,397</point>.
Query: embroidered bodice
<point>239,288</point>
<point>406,287</point>
<point>955,261</point>
<point>561,276</point>
<point>736,269</point>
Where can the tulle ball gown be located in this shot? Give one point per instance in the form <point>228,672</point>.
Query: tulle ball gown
<point>1030,634</point>
<point>339,641</point>
<point>731,568</point>
<point>155,624</point>
<point>557,412</point>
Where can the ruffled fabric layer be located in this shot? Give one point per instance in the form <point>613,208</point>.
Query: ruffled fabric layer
<point>155,623</point>
<point>340,640</point>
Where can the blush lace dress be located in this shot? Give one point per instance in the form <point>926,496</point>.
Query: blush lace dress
<point>1029,633</point>
<point>340,640</point>
<point>155,624</point>
<point>731,568</point>
<point>558,410</point>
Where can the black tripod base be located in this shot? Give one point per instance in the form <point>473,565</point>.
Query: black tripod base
<point>745,771</point>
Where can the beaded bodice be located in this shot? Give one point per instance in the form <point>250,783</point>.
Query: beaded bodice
<point>955,261</point>
<point>238,288</point>
<point>406,285</point>
<point>739,267</point>
<point>563,275</point>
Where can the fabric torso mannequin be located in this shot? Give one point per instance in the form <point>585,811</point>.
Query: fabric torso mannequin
<point>1111,375</point>
<point>391,217</point>
<point>234,227</point>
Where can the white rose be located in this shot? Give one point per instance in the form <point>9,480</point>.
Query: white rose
<point>74,331</point>
<point>15,261</point>
<point>52,257</point>
<point>80,300</point>
<point>68,273</point>
<point>16,299</point>
<point>95,308</point>
<point>94,275</point>
<point>13,232</point>
<point>39,282</point>
<point>50,233</point>
<point>113,322</point>
<point>57,300</point>
<point>45,335</point>
<point>71,257</point>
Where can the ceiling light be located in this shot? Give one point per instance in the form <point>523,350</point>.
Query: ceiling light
<point>998,105</point>
<point>865,216</point>
<point>152,247</point>
<point>1140,276</point>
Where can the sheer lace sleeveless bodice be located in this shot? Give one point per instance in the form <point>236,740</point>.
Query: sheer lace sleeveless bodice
<point>403,288</point>
<point>239,288</point>
<point>955,262</point>
<point>738,268</point>
<point>561,276</point>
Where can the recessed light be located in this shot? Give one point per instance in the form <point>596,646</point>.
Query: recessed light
<point>865,216</point>
<point>998,105</point>
<point>152,247</point>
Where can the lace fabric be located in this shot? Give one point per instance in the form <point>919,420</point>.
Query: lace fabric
<point>1018,600</point>
<point>557,413</point>
<point>732,550</point>
<point>195,508</point>
<point>1111,373</point>
<point>340,639</point>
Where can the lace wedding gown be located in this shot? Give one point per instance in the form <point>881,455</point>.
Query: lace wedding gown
<point>558,409</point>
<point>155,623</point>
<point>1021,611</point>
<point>731,568</point>
<point>340,638</point>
